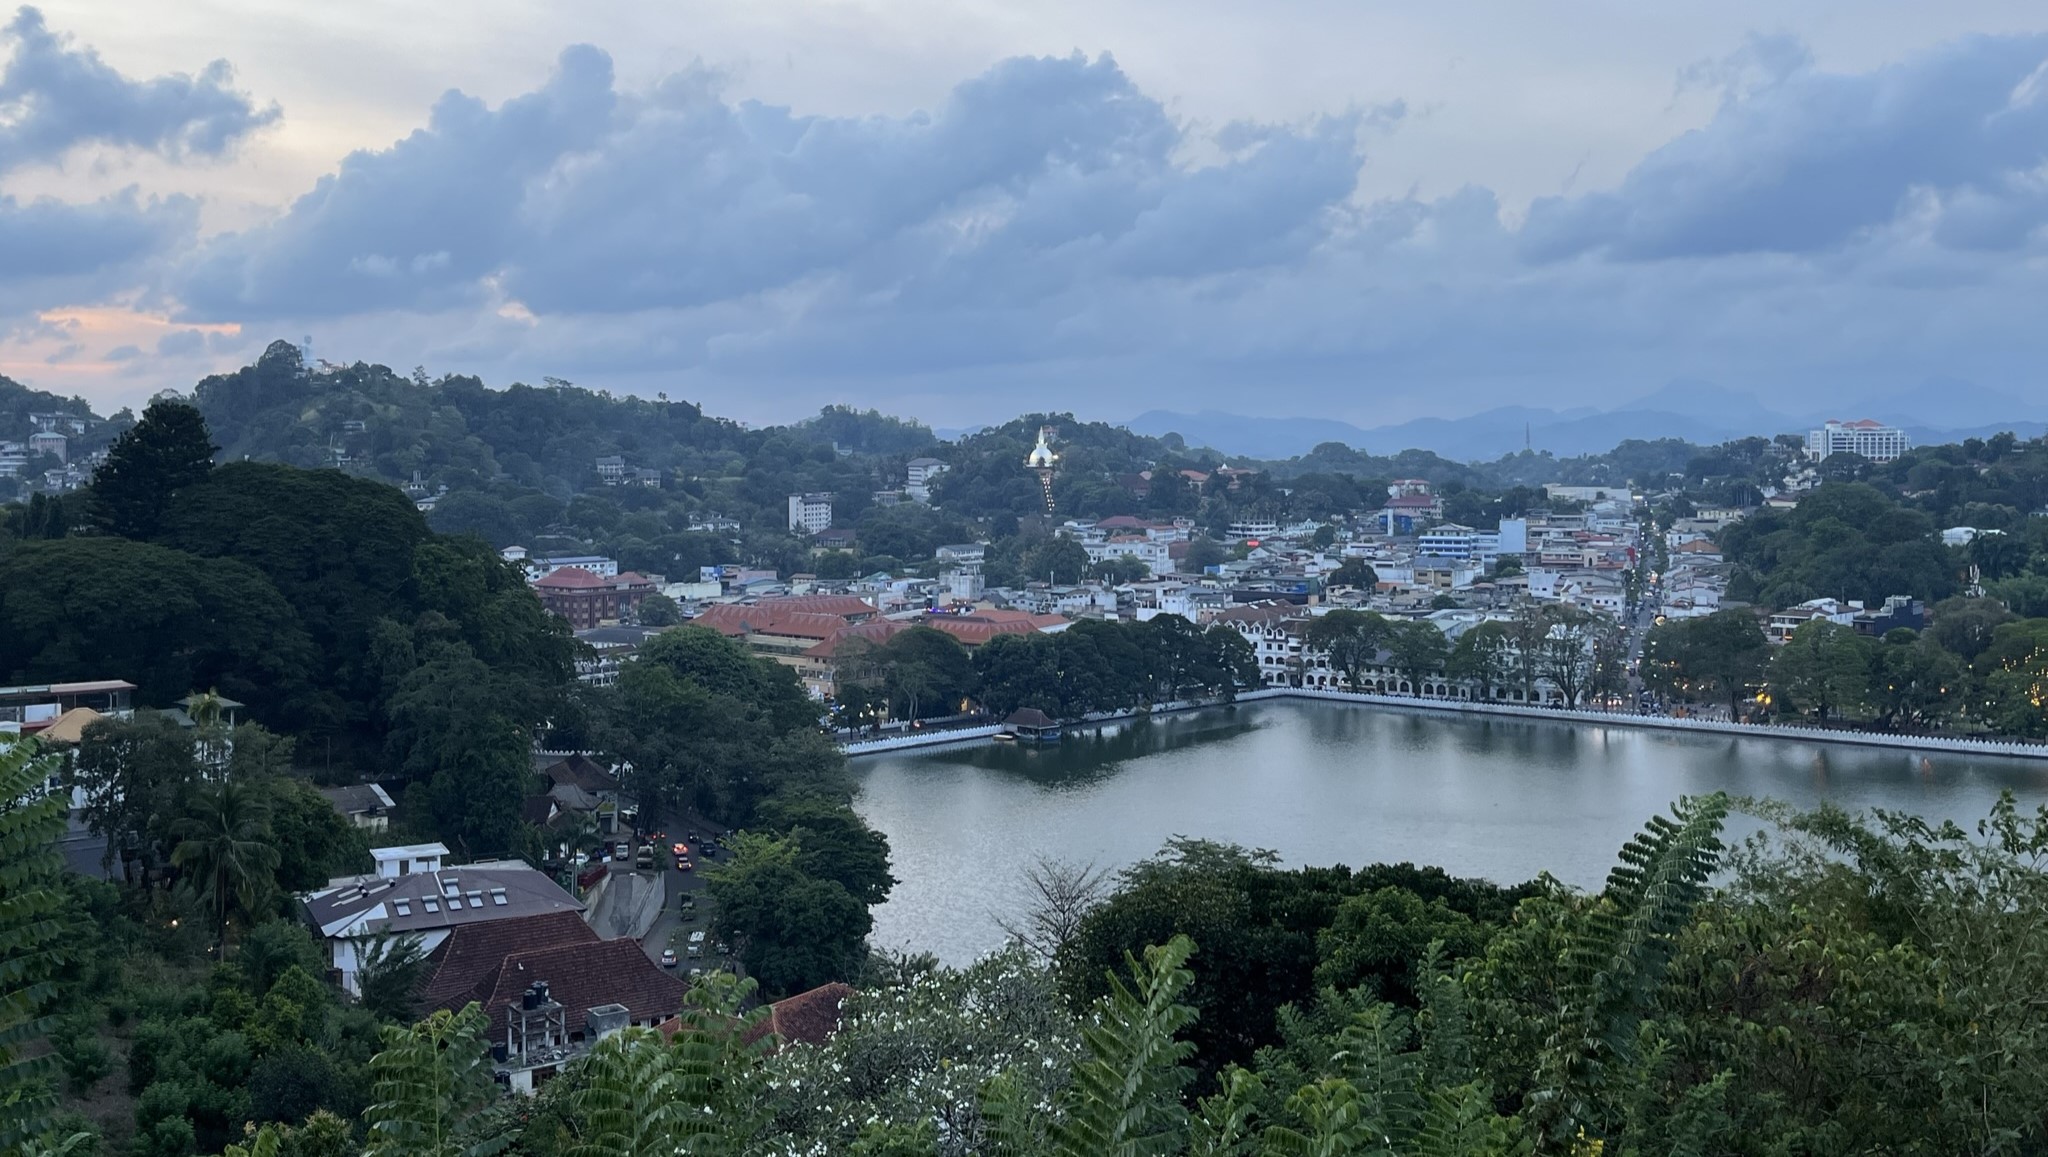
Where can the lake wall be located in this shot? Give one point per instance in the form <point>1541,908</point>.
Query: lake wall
<point>2020,749</point>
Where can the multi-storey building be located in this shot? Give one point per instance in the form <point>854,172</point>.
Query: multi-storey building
<point>1870,438</point>
<point>810,513</point>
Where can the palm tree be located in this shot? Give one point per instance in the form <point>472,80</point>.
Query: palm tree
<point>225,849</point>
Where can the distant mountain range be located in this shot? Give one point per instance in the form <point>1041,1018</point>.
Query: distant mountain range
<point>1698,412</point>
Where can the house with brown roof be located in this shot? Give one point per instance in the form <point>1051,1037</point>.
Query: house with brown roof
<point>587,599</point>
<point>412,894</point>
<point>819,667</point>
<point>810,1018</point>
<point>550,988</point>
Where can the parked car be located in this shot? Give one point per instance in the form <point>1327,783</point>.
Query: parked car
<point>644,860</point>
<point>668,958</point>
<point>688,903</point>
<point>619,851</point>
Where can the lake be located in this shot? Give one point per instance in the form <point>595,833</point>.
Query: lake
<point>1324,783</point>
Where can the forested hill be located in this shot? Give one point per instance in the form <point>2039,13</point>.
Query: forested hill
<point>374,421</point>
<point>17,402</point>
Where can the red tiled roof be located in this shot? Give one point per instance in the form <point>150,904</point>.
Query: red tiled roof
<point>972,630</point>
<point>582,976</point>
<point>570,578</point>
<point>764,619</point>
<point>463,964</point>
<point>846,606</point>
<point>808,1017</point>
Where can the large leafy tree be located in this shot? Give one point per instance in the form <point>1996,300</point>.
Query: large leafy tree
<point>108,608</point>
<point>133,774</point>
<point>1822,670</point>
<point>33,936</point>
<point>1720,655</point>
<point>164,453</point>
<point>1352,640</point>
<point>794,931</point>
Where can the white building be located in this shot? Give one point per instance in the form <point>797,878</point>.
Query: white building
<point>540,566</point>
<point>810,513</point>
<point>411,893</point>
<point>1251,528</point>
<point>918,475</point>
<point>1872,439</point>
<point>611,470</point>
<point>1156,555</point>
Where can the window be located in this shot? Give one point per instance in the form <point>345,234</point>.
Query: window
<point>402,906</point>
<point>451,889</point>
<point>476,899</point>
<point>498,897</point>
<point>431,904</point>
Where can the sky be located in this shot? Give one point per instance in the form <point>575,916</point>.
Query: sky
<point>963,210</point>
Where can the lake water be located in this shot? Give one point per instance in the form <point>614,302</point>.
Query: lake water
<point>1324,783</point>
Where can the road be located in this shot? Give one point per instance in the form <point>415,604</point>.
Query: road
<point>674,926</point>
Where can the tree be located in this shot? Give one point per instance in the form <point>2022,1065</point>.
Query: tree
<point>1202,554</point>
<point>833,843</point>
<point>1062,895</point>
<point>431,1079</point>
<point>314,842</point>
<point>1056,560</point>
<point>1570,651</point>
<point>1353,572</point>
<point>702,1092</point>
<point>1964,626</point>
<point>393,968</point>
<point>1418,650</point>
<point>1120,570</point>
<point>1722,654</point>
<point>659,610</point>
<point>1914,683</point>
<point>167,451</point>
<point>171,623</point>
<point>133,774</point>
<point>1352,640</point>
<point>925,672</point>
<point>33,935</point>
<point>226,850</point>
<point>1823,669</point>
<point>1482,657</point>
<point>792,930</point>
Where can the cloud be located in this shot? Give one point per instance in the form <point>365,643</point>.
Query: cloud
<point>578,199</point>
<point>1802,161</point>
<point>45,240</point>
<point>180,342</point>
<point>54,97</point>
<point>1052,234</point>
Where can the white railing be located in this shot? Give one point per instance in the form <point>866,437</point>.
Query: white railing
<point>2007,747</point>
<point>2013,748</point>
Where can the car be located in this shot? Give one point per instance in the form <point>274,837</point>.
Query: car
<point>695,972</point>
<point>679,849</point>
<point>683,864</point>
<point>692,837</point>
<point>688,903</point>
<point>620,852</point>
<point>668,958</point>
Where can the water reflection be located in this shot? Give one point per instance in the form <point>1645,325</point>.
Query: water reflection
<point>1338,783</point>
